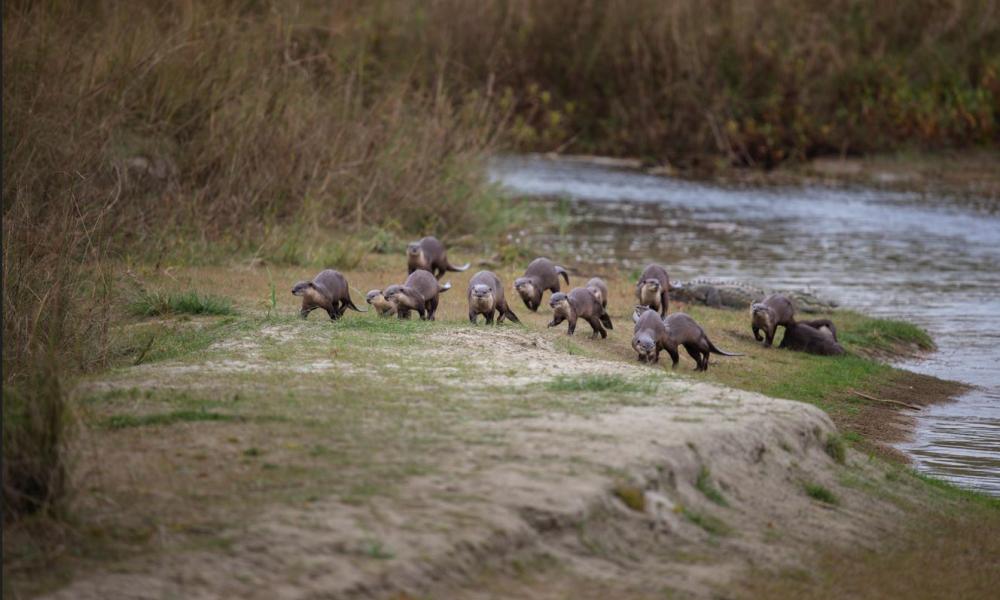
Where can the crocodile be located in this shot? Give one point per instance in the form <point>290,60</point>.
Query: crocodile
<point>739,295</point>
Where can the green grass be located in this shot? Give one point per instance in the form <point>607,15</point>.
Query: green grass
<point>632,496</point>
<point>599,383</point>
<point>170,418</point>
<point>152,304</point>
<point>821,493</point>
<point>713,525</point>
<point>706,487</point>
<point>836,448</point>
<point>885,334</point>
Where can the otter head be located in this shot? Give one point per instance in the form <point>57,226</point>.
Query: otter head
<point>597,294</point>
<point>560,303</point>
<point>649,292</point>
<point>379,301</point>
<point>302,288</point>
<point>761,315</point>
<point>644,345</point>
<point>481,296</point>
<point>529,292</point>
<point>403,296</point>
<point>639,309</point>
<point>415,256</point>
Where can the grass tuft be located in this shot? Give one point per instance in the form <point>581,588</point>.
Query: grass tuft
<point>821,493</point>
<point>170,418</point>
<point>706,487</point>
<point>152,304</point>
<point>599,383</point>
<point>632,496</point>
<point>713,525</point>
<point>836,448</point>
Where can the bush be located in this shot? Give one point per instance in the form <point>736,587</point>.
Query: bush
<point>35,421</point>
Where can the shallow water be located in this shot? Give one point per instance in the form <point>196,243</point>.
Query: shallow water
<point>913,256</point>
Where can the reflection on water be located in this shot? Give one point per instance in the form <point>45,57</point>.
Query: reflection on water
<point>902,255</point>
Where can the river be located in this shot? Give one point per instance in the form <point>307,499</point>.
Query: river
<point>921,257</point>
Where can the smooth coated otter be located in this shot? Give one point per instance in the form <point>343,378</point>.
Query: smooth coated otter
<point>824,326</point>
<point>599,289</point>
<point>329,291</point>
<point>429,254</point>
<point>652,288</point>
<point>774,311</point>
<point>379,302</point>
<point>419,293</point>
<point>542,274</point>
<point>805,338</point>
<point>579,304</point>
<point>653,334</point>
<point>485,297</point>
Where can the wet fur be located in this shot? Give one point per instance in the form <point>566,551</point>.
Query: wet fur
<point>773,312</point>
<point>805,338</point>
<point>328,290</point>
<point>579,304</point>
<point>542,274</point>
<point>429,254</point>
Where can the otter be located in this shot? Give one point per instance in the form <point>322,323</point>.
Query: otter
<point>329,291</point>
<point>774,311</point>
<point>378,301</point>
<point>579,304</point>
<point>599,289</point>
<point>651,289</point>
<point>824,326</point>
<point>419,292</point>
<point>542,274</point>
<point>805,338</point>
<point>653,334</point>
<point>429,254</point>
<point>485,296</point>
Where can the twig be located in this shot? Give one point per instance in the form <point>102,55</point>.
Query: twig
<point>873,399</point>
<point>142,354</point>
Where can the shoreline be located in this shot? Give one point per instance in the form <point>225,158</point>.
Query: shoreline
<point>212,386</point>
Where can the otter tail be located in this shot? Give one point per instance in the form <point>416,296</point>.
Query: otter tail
<point>510,314</point>
<point>464,267</point>
<point>444,287</point>
<point>715,350</point>
<point>563,272</point>
<point>606,321</point>
<point>350,304</point>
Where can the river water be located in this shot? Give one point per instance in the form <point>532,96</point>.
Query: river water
<point>927,259</point>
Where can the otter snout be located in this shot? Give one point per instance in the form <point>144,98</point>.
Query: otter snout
<point>481,291</point>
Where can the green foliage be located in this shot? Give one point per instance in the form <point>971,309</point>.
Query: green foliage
<point>819,492</point>
<point>151,304</point>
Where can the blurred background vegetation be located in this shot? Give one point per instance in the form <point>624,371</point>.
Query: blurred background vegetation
<point>188,131</point>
